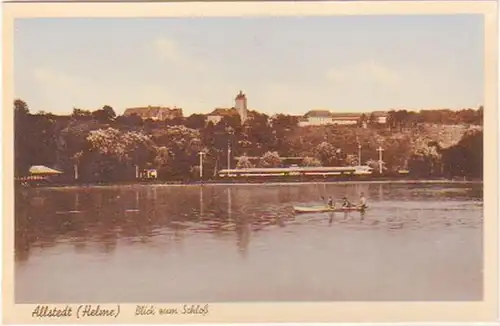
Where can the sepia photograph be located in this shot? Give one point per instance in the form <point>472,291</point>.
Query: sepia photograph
<point>248,159</point>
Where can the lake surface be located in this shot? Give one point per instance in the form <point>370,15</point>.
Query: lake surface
<point>220,243</point>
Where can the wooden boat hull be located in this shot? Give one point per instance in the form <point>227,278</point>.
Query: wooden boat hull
<point>325,209</point>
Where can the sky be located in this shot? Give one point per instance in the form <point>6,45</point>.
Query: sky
<point>283,64</point>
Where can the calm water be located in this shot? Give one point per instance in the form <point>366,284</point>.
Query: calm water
<point>244,243</point>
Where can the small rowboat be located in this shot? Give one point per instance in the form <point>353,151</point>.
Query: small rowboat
<point>323,208</point>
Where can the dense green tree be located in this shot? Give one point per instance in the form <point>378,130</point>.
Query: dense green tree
<point>195,121</point>
<point>163,162</point>
<point>283,126</point>
<point>21,107</point>
<point>466,157</point>
<point>72,144</point>
<point>104,115</point>
<point>129,121</point>
<point>22,137</point>
<point>259,134</point>
<point>326,153</point>
<point>80,114</point>
<point>183,145</point>
<point>114,153</point>
<point>177,121</point>
<point>425,159</point>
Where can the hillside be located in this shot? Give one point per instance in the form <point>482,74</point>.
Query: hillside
<point>106,147</point>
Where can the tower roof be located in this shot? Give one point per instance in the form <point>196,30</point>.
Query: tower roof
<point>240,96</point>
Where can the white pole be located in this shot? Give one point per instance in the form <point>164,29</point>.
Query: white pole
<point>201,164</point>
<point>228,155</point>
<point>359,153</point>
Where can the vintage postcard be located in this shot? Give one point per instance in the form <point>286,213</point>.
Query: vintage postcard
<point>250,162</point>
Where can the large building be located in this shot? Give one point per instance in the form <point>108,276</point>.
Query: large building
<point>155,112</point>
<point>346,118</point>
<point>325,117</point>
<point>240,108</point>
<point>316,118</point>
<point>216,115</point>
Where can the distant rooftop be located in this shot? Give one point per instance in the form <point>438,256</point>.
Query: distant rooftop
<point>150,108</point>
<point>318,114</point>
<point>223,111</point>
<point>156,112</point>
<point>348,114</point>
<point>338,115</point>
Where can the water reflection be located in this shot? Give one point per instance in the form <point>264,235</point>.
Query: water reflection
<point>181,225</point>
<point>229,204</point>
<point>103,215</point>
<point>201,202</point>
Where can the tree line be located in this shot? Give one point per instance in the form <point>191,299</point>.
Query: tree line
<point>100,146</point>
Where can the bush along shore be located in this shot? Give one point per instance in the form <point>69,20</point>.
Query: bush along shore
<point>100,147</point>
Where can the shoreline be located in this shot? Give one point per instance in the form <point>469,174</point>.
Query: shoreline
<point>232,183</point>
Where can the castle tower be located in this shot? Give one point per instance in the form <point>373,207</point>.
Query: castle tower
<point>240,104</point>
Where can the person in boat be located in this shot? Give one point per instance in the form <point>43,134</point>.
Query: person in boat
<point>346,203</point>
<point>331,203</point>
<point>362,201</point>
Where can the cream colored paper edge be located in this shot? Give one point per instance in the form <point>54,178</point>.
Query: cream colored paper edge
<point>271,312</point>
